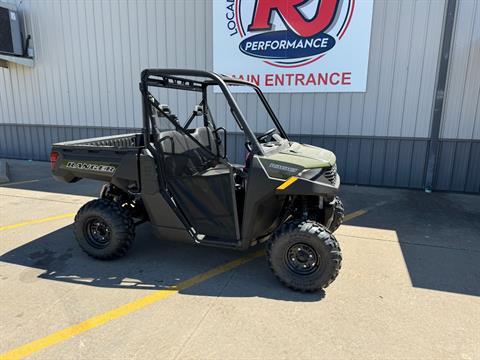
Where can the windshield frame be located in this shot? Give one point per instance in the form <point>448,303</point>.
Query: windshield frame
<point>238,82</point>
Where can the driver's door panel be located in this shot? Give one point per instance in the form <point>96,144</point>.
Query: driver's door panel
<point>207,199</point>
<point>202,187</point>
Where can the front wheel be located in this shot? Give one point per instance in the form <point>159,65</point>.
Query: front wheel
<point>304,256</point>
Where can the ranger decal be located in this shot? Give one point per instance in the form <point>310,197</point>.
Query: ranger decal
<point>107,168</point>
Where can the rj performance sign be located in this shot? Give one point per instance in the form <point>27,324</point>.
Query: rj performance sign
<point>294,45</point>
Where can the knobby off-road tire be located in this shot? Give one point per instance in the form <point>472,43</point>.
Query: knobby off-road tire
<point>304,255</point>
<point>103,229</point>
<point>338,215</point>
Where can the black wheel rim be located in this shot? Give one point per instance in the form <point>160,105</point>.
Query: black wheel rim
<point>97,233</point>
<point>302,259</point>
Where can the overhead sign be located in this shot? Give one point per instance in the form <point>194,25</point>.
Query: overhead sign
<point>294,45</point>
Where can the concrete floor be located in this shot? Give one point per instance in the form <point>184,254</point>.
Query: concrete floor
<point>409,286</point>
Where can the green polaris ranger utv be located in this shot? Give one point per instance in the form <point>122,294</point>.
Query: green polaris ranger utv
<point>176,175</point>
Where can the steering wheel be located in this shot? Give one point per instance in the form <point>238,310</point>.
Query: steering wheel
<point>264,136</point>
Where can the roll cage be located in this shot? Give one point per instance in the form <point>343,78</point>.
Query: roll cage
<point>194,165</point>
<point>198,80</point>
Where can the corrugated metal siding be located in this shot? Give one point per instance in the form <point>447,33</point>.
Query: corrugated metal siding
<point>381,161</point>
<point>461,118</point>
<point>89,55</point>
<point>23,141</point>
<point>401,79</point>
<point>458,158</point>
<point>458,166</point>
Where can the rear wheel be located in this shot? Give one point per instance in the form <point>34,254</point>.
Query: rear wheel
<point>103,229</point>
<point>304,256</point>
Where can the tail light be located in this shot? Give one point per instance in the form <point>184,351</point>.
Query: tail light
<point>53,159</point>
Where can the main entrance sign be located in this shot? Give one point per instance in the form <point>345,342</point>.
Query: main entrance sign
<point>294,45</point>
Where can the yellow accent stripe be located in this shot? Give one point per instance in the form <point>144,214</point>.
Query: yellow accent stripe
<point>96,321</point>
<point>36,221</point>
<point>287,183</point>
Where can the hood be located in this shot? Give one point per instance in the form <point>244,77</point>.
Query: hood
<point>307,156</point>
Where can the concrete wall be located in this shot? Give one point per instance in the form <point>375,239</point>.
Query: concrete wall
<point>89,55</point>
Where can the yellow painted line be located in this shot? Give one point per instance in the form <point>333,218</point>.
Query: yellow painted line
<point>96,321</point>
<point>36,221</point>
<point>20,182</point>
<point>287,183</point>
<point>101,319</point>
<point>355,214</point>
<point>64,216</point>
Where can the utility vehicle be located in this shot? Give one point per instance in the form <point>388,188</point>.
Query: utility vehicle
<point>177,176</point>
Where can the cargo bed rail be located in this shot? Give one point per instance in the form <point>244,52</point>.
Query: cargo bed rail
<point>133,140</point>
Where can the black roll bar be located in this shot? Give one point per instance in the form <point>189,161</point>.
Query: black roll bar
<point>174,78</point>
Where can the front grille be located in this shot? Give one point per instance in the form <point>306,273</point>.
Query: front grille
<point>331,174</point>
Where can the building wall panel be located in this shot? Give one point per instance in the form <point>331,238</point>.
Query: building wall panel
<point>461,118</point>
<point>472,183</point>
<point>89,55</point>
<point>417,172</point>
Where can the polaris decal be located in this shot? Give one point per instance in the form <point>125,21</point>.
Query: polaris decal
<point>294,45</point>
<point>90,166</point>
<point>289,169</point>
<point>279,170</point>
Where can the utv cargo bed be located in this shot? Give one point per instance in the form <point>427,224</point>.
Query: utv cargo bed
<point>97,158</point>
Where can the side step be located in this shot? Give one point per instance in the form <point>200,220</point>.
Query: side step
<point>217,242</point>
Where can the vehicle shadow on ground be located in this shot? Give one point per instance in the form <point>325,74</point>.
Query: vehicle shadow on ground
<point>151,264</point>
<point>438,233</point>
